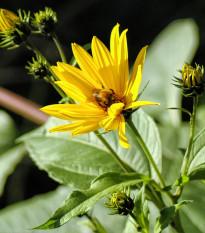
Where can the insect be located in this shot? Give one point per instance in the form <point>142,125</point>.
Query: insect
<point>106,97</point>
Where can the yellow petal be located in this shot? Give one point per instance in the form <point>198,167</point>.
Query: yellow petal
<point>86,128</point>
<point>123,63</point>
<point>123,140</point>
<point>7,20</point>
<point>79,112</point>
<point>86,63</point>
<point>66,72</point>
<point>137,104</point>
<point>115,109</point>
<point>80,93</point>
<point>114,43</point>
<point>110,123</point>
<point>132,92</point>
<point>53,110</point>
<point>105,64</point>
<point>67,127</point>
<point>74,112</point>
<point>135,79</point>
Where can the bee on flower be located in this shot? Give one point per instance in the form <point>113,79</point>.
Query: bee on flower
<point>101,87</point>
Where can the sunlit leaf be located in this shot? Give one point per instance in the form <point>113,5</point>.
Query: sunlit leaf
<point>8,161</point>
<point>80,202</point>
<point>176,44</point>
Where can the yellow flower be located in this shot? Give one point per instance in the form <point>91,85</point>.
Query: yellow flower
<point>101,87</point>
<point>7,20</point>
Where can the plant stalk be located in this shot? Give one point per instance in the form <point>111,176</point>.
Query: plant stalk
<point>113,153</point>
<point>146,151</point>
<point>59,47</point>
<point>188,151</point>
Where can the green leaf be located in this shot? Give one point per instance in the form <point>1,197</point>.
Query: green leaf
<point>166,216</point>
<point>80,202</point>
<point>8,161</point>
<point>192,215</point>
<point>197,173</point>
<point>176,44</point>
<point>70,162</point>
<point>79,159</point>
<point>20,217</point>
<point>141,211</point>
<point>196,166</point>
<point>7,131</point>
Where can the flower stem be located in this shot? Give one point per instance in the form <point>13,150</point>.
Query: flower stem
<point>113,153</point>
<point>146,151</point>
<point>150,192</point>
<point>188,151</point>
<point>59,47</point>
<point>137,225</point>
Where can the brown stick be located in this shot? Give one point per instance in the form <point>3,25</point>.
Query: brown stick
<point>22,106</point>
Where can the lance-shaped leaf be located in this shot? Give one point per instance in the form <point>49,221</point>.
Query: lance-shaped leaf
<point>80,202</point>
<point>166,216</point>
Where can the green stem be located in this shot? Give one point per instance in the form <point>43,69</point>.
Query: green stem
<point>188,151</point>
<point>137,225</point>
<point>113,153</point>
<point>151,192</point>
<point>59,47</point>
<point>146,151</point>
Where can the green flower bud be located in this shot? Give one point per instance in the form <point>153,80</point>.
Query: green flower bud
<point>192,82</point>
<point>14,29</point>
<point>120,202</point>
<point>45,21</point>
<point>38,68</point>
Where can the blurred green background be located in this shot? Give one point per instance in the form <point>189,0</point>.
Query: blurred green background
<point>78,21</point>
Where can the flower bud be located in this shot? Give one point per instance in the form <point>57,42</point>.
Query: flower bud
<point>192,83</point>
<point>14,29</point>
<point>7,20</point>
<point>38,68</point>
<point>120,202</point>
<point>45,21</point>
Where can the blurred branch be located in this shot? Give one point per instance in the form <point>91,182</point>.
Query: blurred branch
<point>22,106</point>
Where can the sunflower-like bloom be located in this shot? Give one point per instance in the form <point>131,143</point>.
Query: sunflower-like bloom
<point>7,20</point>
<point>101,87</point>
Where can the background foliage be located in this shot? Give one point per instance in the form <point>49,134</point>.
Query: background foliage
<point>78,21</point>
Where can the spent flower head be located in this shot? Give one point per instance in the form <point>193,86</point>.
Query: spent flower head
<point>120,202</point>
<point>38,68</point>
<point>192,82</point>
<point>45,21</point>
<point>101,86</point>
<point>14,29</point>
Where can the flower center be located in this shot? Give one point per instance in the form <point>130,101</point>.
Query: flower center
<point>106,97</point>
